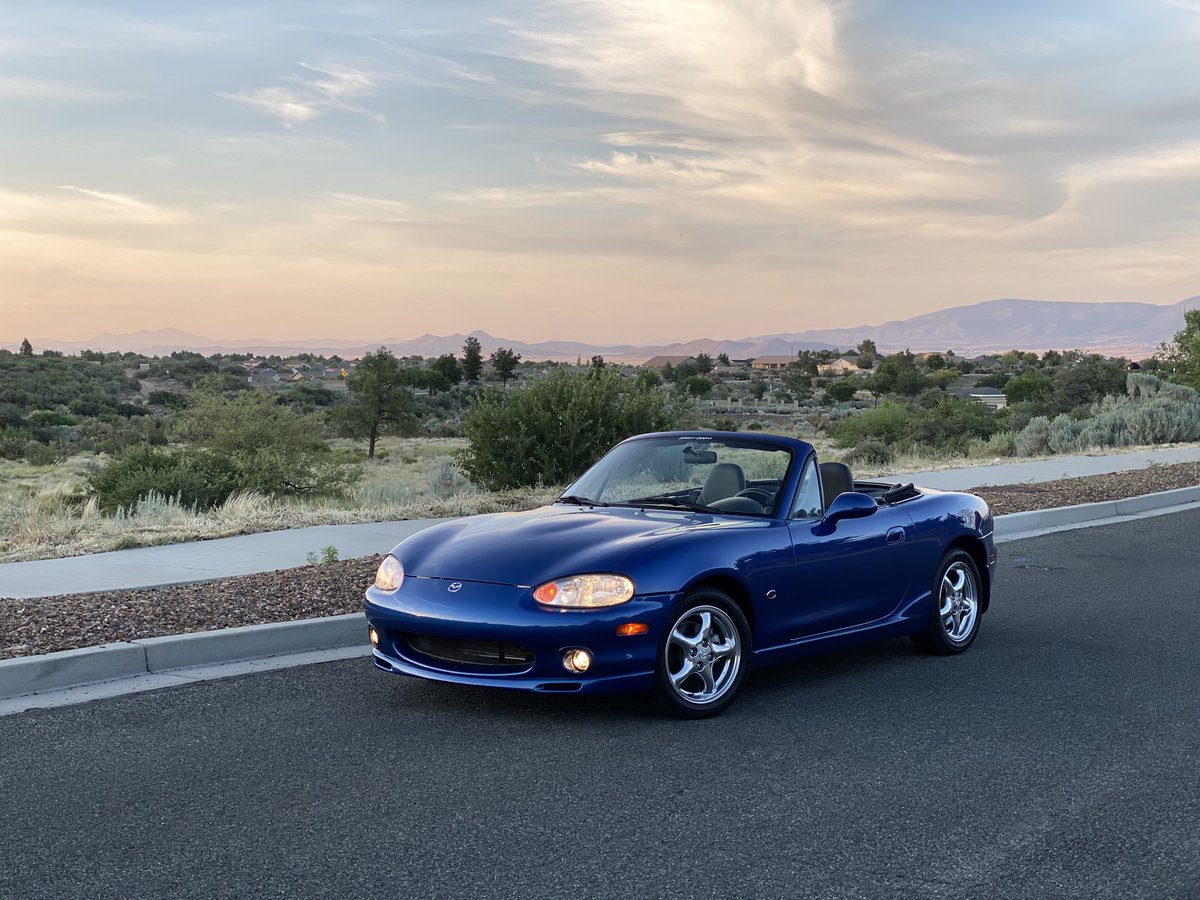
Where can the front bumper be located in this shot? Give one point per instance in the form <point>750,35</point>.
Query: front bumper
<point>507,615</point>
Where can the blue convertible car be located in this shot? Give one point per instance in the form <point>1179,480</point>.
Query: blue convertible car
<point>678,563</point>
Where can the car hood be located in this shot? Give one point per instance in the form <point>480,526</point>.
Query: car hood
<point>530,548</point>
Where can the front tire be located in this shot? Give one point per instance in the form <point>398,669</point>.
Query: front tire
<point>704,655</point>
<point>957,606</point>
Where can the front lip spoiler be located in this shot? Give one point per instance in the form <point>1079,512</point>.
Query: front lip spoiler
<point>633,682</point>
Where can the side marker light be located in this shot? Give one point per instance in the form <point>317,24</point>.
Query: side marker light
<point>631,628</point>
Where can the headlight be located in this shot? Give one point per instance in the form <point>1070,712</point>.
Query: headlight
<point>585,591</point>
<point>390,575</point>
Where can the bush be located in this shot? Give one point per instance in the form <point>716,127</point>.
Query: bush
<point>550,431</point>
<point>13,442</point>
<point>274,450</point>
<point>197,479</point>
<point>870,452</point>
<point>1034,438</point>
<point>888,423</point>
<point>843,390</point>
<point>1154,412</point>
<point>446,481</point>
<point>1002,443</point>
<point>952,424</point>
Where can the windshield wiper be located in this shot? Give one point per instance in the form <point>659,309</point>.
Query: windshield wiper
<point>667,501</point>
<point>580,501</point>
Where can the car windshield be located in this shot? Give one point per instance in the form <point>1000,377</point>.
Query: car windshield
<point>722,475</point>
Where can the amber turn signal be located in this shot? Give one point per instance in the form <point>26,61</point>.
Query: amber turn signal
<point>632,628</point>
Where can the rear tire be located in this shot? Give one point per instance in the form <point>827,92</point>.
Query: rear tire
<point>704,655</point>
<point>956,607</point>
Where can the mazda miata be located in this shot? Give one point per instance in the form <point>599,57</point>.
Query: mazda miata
<point>678,563</point>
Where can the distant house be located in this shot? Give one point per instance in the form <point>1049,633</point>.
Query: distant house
<point>769,363</point>
<point>661,362</point>
<point>993,398</point>
<point>264,376</point>
<point>839,366</point>
<point>986,361</point>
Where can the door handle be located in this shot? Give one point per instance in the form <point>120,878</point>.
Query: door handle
<point>895,535</point>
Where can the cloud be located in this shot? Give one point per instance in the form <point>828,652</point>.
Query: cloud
<point>73,208</point>
<point>327,89</point>
<point>44,90</point>
<point>655,170</point>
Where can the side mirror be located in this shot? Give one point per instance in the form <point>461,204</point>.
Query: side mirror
<point>850,505</point>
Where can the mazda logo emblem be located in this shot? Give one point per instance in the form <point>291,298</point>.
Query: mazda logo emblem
<point>455,587</point>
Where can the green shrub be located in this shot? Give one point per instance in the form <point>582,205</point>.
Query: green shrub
<point>1034,438</point>
<point>870,452</point>
<point>198,479</point>
<point>1002,443</point>
<point>889,424</point>
<point>550,431</point>
<point>274,450</point>
<point>951,425</point>
<point>39,454</point>
<point>13,442</point>
<point>1154,412</point>
<point>169,399</point>
<point>446,481</point>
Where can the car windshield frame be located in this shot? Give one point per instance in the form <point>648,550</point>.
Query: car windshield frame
<point>593,486</point>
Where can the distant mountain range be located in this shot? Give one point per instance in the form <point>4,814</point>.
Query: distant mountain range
<point>1132,329</point>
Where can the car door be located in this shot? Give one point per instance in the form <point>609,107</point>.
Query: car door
<point>849,573</point>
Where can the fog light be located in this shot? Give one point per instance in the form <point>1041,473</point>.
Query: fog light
<point>374,638</point>
<point>577,660</point>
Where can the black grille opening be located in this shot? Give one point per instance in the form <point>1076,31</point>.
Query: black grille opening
<point>479,653</point>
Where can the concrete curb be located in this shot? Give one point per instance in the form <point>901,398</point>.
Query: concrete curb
<point>32,675</point>
<point>88,665</point>
<point>1035,520</point>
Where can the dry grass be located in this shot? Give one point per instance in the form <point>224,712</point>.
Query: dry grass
<point>44,512</point>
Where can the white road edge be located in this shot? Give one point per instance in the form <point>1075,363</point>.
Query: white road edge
<point>95,673</point>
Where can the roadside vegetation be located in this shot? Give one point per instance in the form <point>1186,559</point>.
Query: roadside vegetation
<point>104,451</point>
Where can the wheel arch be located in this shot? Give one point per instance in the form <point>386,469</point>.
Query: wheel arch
<point>727,584</point>
<point>974,546</point>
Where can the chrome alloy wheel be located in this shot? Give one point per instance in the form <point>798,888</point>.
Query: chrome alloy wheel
<point>959,602</point>
<point>703,654</point>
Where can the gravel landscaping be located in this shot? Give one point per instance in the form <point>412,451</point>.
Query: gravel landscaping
<point>44,625</point>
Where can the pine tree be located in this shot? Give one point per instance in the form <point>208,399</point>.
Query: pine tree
<point>472,366</point>
<point>379,398</point>
<point>26,348</point>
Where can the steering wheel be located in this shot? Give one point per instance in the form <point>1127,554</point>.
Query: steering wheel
<point>758,495</point>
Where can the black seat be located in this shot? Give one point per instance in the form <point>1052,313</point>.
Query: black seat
<point>835,479</point>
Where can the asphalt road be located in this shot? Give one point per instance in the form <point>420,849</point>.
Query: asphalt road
<point>1058,758</point>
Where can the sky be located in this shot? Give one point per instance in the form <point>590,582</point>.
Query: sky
<point>595,170</point>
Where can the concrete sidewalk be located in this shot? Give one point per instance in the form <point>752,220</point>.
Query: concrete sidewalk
<point>1049,469</point>
<point>266,552</point>
<point>246,554</point>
